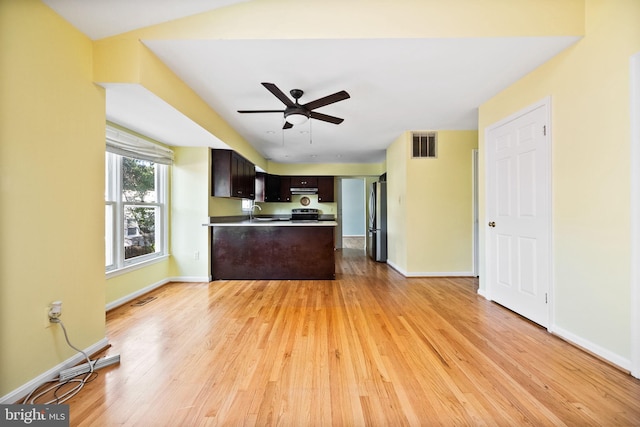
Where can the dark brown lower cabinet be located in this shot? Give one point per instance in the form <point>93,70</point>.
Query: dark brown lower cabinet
<point>273,252</point>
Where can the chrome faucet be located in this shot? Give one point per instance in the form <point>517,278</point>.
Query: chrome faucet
<point>251,211</point>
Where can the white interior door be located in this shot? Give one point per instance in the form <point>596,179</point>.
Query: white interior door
<point>519,212</point>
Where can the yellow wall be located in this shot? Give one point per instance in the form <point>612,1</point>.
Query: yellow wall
<point>430,206</point>
<point>190,185</point>
<point>52,127</point>
<point>331,19</point>
<point>397,202</point>
<point>439,207</point>
<point>221,206</point>
<point>589,88</point>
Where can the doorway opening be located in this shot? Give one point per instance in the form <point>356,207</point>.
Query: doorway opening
<point>353,213</point>
<point>476,214</point>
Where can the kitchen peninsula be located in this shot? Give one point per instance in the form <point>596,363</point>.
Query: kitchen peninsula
<point>265,248</point>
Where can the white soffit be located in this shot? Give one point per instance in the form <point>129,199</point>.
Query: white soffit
<point>135,108</point>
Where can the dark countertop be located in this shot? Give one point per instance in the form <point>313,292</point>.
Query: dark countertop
<point>268,222</point>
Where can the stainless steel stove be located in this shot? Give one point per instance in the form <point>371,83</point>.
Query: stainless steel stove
<point>305,215</point>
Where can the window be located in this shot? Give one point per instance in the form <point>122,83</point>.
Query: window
<point>247,205</point>
<point>135,204</point>
<point>424,144</point>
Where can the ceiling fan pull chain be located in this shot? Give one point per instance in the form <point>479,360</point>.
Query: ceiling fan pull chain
<point>310,133</point>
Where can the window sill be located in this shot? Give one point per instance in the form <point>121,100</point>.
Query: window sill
<point>136,266</point>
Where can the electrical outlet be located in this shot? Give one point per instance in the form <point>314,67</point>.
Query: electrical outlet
<point>196,255</point>
<point>55,310</point>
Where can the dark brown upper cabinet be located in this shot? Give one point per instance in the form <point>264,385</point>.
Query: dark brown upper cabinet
<point>232,175</point>
<point>304,182</point>
<point>325,189</point>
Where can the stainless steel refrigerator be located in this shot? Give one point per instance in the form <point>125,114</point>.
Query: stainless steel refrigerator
<point>377,233</point>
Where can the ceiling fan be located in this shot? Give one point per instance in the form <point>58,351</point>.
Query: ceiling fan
<point>296,113</point>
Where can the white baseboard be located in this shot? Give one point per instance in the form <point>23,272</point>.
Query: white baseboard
<point>430,273</point>
<point>441,274</point>
<point>128,298</point>
<point>191,279</point>
<point>25,389</point>
<point>395,267</point>
<point>583,344</point>
<point>590,347</point>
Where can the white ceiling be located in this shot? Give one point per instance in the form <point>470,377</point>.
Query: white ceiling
<point>395,84</point>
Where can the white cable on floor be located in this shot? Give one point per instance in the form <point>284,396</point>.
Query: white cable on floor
<point>69,393</point>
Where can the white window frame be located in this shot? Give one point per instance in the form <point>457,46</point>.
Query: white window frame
<point>113,199</point>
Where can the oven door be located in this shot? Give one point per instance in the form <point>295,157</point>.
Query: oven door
<point>304,218</point>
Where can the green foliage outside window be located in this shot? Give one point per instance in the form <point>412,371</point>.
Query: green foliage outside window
<point>138,186</point>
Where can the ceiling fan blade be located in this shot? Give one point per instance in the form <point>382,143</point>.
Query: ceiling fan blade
<point>326,118</point>
<point>279,94</point>
<point>287,125</point>
<point>330,99</point>
<point>260,111</point>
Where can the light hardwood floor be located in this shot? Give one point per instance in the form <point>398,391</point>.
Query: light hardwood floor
<point>370,348</point>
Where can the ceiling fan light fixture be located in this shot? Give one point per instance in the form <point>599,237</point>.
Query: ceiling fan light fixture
<point>297,118</point>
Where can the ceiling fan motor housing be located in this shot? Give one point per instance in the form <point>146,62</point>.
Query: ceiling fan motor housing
<point>296,94</point>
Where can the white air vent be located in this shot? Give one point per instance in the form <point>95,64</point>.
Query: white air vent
<point>425,144</point>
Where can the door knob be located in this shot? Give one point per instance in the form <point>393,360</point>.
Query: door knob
<point>492,224</point>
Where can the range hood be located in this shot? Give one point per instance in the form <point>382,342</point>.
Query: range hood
<point>304,190</point>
